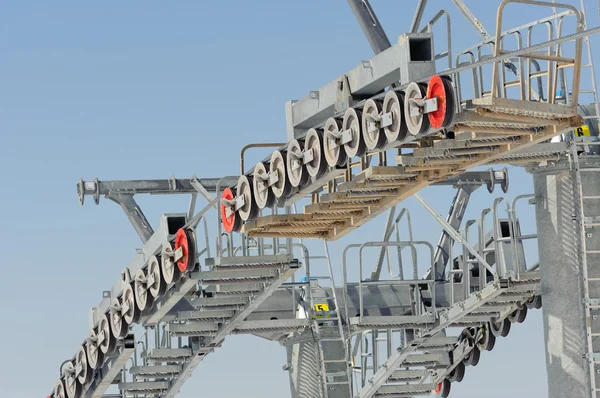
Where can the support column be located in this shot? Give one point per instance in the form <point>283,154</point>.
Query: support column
<point>561,271</point>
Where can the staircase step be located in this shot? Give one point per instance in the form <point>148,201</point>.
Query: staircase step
<point>439,342</point>
<point>195,315</point>
<point>169,354</point>
<point>441,358</point>
<point>242,286</point>
<point>220,301</point>
<point>155,371</point>
<point>145,387</point>
<point>411,389</point>
<point>193,328</point>
<point>271,261</point>
<point>224,275</point>
<point>408,375</point>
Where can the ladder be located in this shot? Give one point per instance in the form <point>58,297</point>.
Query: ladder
<point>587,223</point>
<point>590,65</point>
<point>332,348</point>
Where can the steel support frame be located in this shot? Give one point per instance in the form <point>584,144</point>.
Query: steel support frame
<point>191,365</point>
<point>111,369</point>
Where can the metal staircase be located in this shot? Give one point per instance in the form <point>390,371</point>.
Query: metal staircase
<point>487,289</point>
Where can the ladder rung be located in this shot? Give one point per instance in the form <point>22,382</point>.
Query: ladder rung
<point>332,339</point>
<point>591,197</point>
<point>592,252</point>
<point>336,383</point>
<point>334,361</point>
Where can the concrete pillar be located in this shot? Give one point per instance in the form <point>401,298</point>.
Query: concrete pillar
<point>561,274</point>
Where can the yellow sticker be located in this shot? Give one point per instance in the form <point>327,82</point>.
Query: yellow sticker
<point>320,310</point>
<point>582,131</point>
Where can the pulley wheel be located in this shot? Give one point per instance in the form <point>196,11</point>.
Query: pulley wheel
<point>500,328</point>
<point>184,239</point>
<point>298,175</point>
<point>132,314</point>
<point>519,315</point>
<point>72,386</point>
<point>233,223</point>
<point>143,298</point>
<point>504,183</point>
<point>491,184</point>
<point>59,389</point>
<point>393,103</point>
<point>108,343</point>
<point>314,142</point>
<point>534,302</point>
<point>442,90</point>
<point>443,389</point>
<point>158,287</point>
<point>81,362</point>
<point>472,359</point>
<point>488,340</point>
<point>282,188</point>
<point>458,373</point>
<point>335,156</point>
<point>95,356</point>
<point>244,189</point>
<point>417,124</point>
<point>118,326</point>
<point>375,139</point>
<point>352,121</point>
<point>263,195</point>
<point>169,269</point>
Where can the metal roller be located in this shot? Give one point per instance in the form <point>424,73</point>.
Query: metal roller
<point>372,131</point>
<point>443,389</point>
<point>393,103</point>
<point>282,187</point>
<point>352,123</point>
<point>519,315</point>
<point>296,170</point>
<point>458,373</point>
<point>154,280</point>
<point>106,339</point>
<point>314,143</point>
<point>131,312</point>
<point>334,153</point>
<point>72,385</point>
<point>232,221</point>
<point>487,341</point>
<point>417,124</point>
<point>263,195</point>
<point>244,189</point>
<point>118,326</point>
<point>95,356</point>
<point>500,328</point>
<point>82,368</point>
<point>185,241</point>
<point>143,299</point>
<point>169,269</point>
<point>59,389</point>
<point>441,89</point>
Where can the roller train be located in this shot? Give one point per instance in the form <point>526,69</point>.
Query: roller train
<point>381,123</point>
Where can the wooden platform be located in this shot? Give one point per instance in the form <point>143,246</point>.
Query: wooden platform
<point>497,132</point>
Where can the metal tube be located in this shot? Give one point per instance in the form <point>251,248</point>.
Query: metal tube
<point>370,25</point>
<point>257,145</point>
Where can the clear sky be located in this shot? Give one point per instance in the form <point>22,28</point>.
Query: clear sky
<point>149,89</point>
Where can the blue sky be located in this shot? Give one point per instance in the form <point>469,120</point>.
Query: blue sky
<point>149,89</point>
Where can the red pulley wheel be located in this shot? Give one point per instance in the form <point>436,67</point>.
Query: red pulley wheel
<point>437,87</point>
<point>233,222</point>
<point>185,240</point>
